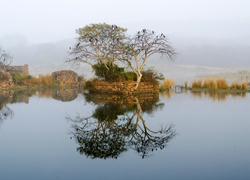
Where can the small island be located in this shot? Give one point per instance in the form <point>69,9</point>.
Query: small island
<point>118,62</point>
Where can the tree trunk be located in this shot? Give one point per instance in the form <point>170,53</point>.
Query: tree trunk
<point>139,76</point>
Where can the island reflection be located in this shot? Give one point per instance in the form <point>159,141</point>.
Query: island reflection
<point>5,111</point>
<point>117,125</point>
<point>22,96</point>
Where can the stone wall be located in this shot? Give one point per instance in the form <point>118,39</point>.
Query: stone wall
<point>18,69</point>
<point>65,95</point>
<point>122,99</point>
<point>66,77</point>
<point>125,87</point>
<point>6,80</point>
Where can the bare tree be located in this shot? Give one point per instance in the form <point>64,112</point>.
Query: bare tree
<point>115,128</point>
<point>105,44</point>
<point>96,44</point>
<point>5,59</point>
<point>140,47</point>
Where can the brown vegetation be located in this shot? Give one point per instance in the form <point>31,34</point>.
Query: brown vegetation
<point>166,85</point>
<point>219,84</point>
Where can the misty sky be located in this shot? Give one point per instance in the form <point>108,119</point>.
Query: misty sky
<point>40,21</point>
<point>199,24</point>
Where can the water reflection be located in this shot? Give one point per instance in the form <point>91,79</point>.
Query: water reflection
<point>5,111</point>
<point>117,125</point>
<point>217,96</point>
<point>22,96</point>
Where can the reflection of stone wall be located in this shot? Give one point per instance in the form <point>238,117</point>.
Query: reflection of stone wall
<point>10,97</point>
<point>66,77</point>
<point>18,69</point>
<point>6,80</point>
<point>97,98</point>
<point>66,94</point>
<point>126,87</point>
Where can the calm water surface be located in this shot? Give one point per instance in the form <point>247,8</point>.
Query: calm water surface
<point>64,134</point>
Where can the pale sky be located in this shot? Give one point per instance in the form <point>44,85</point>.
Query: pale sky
<point>44,21</point>
<point>203,32</point>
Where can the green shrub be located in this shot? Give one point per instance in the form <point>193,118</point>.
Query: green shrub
<point>17,79</point>
<point>151,75</point>
<point>114,73</point>
<point>89,86</point>
<point>81,79</point>
<point>130,76</point>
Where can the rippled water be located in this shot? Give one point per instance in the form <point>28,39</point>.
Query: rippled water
<point>65,134</point>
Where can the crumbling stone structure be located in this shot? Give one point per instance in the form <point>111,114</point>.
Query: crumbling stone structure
<point>66,77</point>
<point>65,95</point>
<point>122,99</point>
<point>17,69</point>
<point>6,80</point>
<point>125,87</point>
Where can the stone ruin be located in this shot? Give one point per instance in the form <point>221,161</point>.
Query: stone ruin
<point>6,80</point>
<point>16,69</point>
<point>66,77</point>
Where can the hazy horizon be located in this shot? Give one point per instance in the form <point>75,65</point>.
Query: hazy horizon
<point>213,34</point>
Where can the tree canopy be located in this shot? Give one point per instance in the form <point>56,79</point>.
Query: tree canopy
<point>96,43</point>
<point>5,58</point>
<point>106,45</point>
<point>143,45</point>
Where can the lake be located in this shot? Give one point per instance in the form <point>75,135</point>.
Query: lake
<point>67,134</point>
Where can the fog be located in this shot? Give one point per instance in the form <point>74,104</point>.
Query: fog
<point>209,36</point>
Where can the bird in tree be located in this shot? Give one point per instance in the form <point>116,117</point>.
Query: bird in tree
<point>5,59</point>
<point>97,43</point>
<point>138,49</point>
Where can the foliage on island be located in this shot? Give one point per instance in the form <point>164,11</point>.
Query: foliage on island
<point>105,46</point>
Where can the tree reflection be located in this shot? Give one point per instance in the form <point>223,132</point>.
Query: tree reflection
<point>114,128</point>
<point>5,111</point>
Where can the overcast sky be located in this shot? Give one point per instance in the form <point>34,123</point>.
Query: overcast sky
<point>39,21</point>
<point>204,32</point>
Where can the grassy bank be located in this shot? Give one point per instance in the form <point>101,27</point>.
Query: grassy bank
<point>22,81</point>
<point>219,84</point>
<point>207,85</point>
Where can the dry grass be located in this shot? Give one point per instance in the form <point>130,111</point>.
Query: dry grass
<point>28,80</point>
<point>210,84</point>
<point>197,84</point>
<point>236,86</point>
<point>47,80</point>
<point>222,84</point>
<point>186,84</point>
<point>244,86</point>
<point>219,84</point>
<point>167,84</point>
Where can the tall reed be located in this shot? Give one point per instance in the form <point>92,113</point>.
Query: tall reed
<point>186,84</point>
<point>210,84</point>
<point>167,84</point>
<point>236,86</point>
<point>197,84</point>
<point>244,86</point>
<point>222,84</point>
